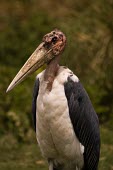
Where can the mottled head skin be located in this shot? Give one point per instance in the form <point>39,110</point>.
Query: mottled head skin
<point>55,40</point>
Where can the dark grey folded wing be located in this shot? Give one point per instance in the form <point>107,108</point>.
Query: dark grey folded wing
<point>85,122</point>
<point>35,95</point>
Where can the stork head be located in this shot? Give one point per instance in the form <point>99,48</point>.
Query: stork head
<point>52,45</point>
<point>55,41</point>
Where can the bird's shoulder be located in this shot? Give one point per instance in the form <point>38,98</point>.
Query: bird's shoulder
<point>64,73</point>
<point>62,76</point>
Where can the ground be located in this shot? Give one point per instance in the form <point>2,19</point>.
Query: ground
<point>26,156</point>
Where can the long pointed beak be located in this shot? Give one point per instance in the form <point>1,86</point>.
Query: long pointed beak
<point>35,61</point>
<point>53,44</point>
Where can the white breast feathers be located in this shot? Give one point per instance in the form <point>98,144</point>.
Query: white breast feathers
<point>54,130</point>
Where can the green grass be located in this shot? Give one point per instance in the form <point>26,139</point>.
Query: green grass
<point>14,156</point>
<point>106,158</point>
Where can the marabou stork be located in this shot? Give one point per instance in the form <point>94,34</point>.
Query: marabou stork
<point>66,125</point>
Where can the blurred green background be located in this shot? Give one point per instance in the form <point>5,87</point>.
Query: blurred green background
<point>88,26</point>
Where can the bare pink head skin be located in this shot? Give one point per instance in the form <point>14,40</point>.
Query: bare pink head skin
<point>55,40</point>
<point>49,52</point>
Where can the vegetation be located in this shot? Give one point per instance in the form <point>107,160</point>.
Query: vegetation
<point>88,26</point>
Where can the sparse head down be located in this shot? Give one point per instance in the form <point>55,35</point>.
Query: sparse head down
<point>52,45</point>
<point>55,40</point>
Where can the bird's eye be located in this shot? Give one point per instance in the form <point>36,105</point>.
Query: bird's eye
<point>54,39</point>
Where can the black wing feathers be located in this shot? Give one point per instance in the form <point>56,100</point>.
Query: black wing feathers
<point>35,94</point>
<point>85,122</point>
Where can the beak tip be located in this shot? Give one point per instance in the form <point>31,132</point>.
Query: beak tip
<point>8,89</point>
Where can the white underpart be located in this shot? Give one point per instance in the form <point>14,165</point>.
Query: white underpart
<point>54,130</point>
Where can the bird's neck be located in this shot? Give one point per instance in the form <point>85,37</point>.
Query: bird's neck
<point>51,72</point>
